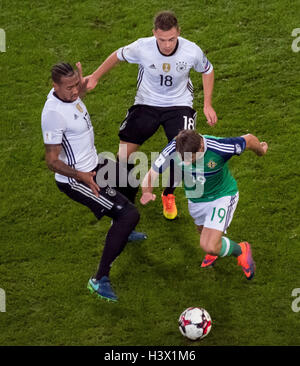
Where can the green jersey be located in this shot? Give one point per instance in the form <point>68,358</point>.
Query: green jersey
<point>209,177</point>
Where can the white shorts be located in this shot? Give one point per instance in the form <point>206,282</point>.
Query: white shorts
<point>215,214</point>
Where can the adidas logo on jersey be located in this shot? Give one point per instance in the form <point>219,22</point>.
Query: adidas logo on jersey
<point>152,66</point>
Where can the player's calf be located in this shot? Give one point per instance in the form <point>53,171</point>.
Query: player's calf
<point>216,246</point>
<point>210,241</point>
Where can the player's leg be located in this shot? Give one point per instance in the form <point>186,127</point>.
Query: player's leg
<point>214,243</point>
<point>174,120</point>
<point>115,175</point>
<point>212,220</point>
<point>218,215</point>
<point>198,212</point>
<point>125,217</point>
<point>123,223</point>
<point>139,125</point>
<point>209,260</point>
<point>199,228</point>
<point>125,152</point>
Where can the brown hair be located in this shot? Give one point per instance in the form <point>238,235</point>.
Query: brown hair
<point>165,20</point>
<point>188,141</point>
<point>61,69</point>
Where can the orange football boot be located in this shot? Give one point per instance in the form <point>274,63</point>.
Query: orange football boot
<point>169,206</point>
<point>209,260</point>
<point>246,261</point>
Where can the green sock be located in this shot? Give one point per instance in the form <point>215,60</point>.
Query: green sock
<point>229,247</point>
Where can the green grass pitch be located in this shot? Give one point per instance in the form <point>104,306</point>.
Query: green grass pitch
<point>50,246</point>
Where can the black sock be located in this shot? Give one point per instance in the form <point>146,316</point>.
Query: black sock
<point>169,190</point>
<point>116,239</point>
<point>171,181</point>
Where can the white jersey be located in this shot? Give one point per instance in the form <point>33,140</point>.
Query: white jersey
<point>164,81</point>
<point>69,124</point>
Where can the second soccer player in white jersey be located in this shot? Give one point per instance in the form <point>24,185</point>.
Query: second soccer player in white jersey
<point>164,90</point>
<point>70,152</point>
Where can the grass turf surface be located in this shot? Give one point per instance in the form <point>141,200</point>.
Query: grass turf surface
<point>50,246</point>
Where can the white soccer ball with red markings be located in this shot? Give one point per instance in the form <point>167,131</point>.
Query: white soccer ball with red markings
<point>195,323</point>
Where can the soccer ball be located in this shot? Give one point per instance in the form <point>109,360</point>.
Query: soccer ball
<point>194,323</point>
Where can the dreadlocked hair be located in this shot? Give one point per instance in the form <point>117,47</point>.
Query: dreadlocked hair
<point>61,69</point>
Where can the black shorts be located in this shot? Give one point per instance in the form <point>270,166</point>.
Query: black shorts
<point>142,121</point>
<point>110,202</point>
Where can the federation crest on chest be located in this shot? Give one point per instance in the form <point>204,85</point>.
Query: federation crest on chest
<point>212,164</point>
<point>166,67</point>
<point>78,106</point>
<point>181,66</point>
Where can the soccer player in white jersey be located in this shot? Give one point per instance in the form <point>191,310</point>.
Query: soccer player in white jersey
<point>70,152</point>
<point>164,90</point>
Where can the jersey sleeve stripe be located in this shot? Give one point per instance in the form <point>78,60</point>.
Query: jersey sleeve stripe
<point>221,146</point>
<point>226,148</point>
<point>190,87</point>
<point>220,149</point>
<point>122,54</point>
<point>169,149</point>
<point>189,84</point>
<point>68,150</point>
<point>65,148</point>
<point>140,76</point>
<point>208,68</point>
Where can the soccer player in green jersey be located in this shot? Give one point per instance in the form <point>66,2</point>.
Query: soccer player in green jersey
<point>212,192</point>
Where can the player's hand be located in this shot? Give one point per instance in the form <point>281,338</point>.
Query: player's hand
<point>91,82</point>
<point>147,197</point>
<point>83,80</point>
<point>265,147</point>
<point>88,179</point>
<point>210,115</point>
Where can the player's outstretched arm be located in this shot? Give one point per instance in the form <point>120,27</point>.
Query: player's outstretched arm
<point>147,187</point>
<point>106,66</point>
<point>253,144</point>
<point>208,87</point>
<point>91,81</point>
